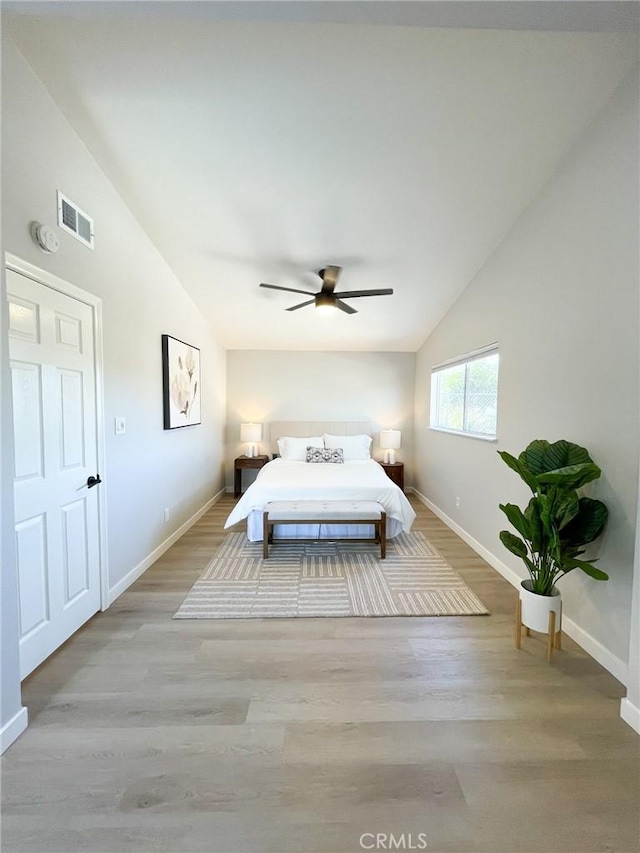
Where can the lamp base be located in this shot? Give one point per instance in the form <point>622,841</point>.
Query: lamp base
<point>390,457</point>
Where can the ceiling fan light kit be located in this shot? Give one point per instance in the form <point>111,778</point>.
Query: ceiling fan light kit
<point>325,303</point>
<point>326,300</point>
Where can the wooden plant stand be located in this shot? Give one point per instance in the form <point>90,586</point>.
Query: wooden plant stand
<point>554,638</point>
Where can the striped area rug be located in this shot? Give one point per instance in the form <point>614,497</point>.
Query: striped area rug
<point>326,578</point>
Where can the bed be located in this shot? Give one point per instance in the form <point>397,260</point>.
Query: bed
<point>295,479</point>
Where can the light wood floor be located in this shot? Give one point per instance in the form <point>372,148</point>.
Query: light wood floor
<point>301,735</point>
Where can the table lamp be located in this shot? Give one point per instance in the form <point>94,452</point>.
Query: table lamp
<point>390,442</point>
<point>250,434</point>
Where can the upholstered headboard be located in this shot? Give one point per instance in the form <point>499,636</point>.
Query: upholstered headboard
<point>300,429</point>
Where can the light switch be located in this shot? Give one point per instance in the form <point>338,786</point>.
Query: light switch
<point>120,426</point>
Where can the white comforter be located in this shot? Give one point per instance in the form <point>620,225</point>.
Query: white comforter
<point>362,480</point>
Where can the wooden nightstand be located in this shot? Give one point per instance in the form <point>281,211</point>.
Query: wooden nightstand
<point>395,472</point>
<point>242,462</point>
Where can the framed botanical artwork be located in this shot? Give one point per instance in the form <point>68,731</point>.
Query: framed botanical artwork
<point>181,388</point>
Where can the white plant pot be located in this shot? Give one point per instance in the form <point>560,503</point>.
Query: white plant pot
<point>536,608</point>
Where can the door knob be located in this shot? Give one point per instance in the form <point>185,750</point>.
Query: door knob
<point>93,481</point>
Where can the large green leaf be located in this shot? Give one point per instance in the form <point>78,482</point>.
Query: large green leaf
<point>520,469</point>
<point>571,476</point>
<point>532,514</point>
<point>587,568</point>
<point>587,525</point>
<point>547,505</point>
<point>533,456</point>
<point>513,543</point>
<point>567,507</point>
<point>540,456</point>
<point>515,516</point>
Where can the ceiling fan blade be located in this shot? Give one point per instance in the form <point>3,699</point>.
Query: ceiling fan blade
<point>288,289</point>
<point>344,307</point>
<point>302,304</point>
<point>350,294</point>
<point>329,276</point>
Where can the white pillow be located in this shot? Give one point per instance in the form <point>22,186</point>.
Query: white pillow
<point>354,446</point>
<point>295,449</point>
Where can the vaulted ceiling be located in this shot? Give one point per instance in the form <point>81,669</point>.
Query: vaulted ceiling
<point>260,142</point>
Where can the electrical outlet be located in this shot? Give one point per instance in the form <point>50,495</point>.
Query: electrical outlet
<point>457,501</point>
<point>120,426</point>
<point>167,514</point>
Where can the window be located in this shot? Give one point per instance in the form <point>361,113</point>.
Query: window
<point>464,394</point>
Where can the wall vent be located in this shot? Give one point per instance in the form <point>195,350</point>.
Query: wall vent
<point>74,220</point>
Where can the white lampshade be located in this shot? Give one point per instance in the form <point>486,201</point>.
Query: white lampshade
<point>251,433</point>
<point>390,441</point>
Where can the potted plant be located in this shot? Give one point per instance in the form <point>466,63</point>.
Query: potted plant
<point>554,528</point>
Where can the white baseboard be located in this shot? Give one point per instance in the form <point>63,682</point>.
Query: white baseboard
<point>630,714</point>
<point>593,647</point>
<point>12,730</point>
<point>132,576</point>
<point>618,668</point>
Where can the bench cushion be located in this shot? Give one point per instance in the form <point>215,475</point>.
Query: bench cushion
<point>326,510</point>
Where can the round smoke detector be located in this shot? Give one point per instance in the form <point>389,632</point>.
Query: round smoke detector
<point>45,237</point>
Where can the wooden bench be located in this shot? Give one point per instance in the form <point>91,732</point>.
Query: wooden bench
<point>325,512</point>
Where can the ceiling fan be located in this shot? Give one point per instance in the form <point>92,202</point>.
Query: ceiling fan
<point>326,297</point>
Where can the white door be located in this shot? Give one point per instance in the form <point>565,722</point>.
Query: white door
<point>51,345</point>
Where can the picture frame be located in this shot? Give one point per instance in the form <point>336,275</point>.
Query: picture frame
<point>181,383</point>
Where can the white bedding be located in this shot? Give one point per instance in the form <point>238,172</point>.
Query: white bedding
<point>356,480</point>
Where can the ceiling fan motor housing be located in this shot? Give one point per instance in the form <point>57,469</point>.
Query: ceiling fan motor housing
<point>325,299</point>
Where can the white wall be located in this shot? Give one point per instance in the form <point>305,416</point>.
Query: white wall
<point>560,294</point>
<point>148,468</point>
<point>266,385</point>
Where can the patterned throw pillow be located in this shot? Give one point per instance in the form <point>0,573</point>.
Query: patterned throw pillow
<point>320,454</point>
